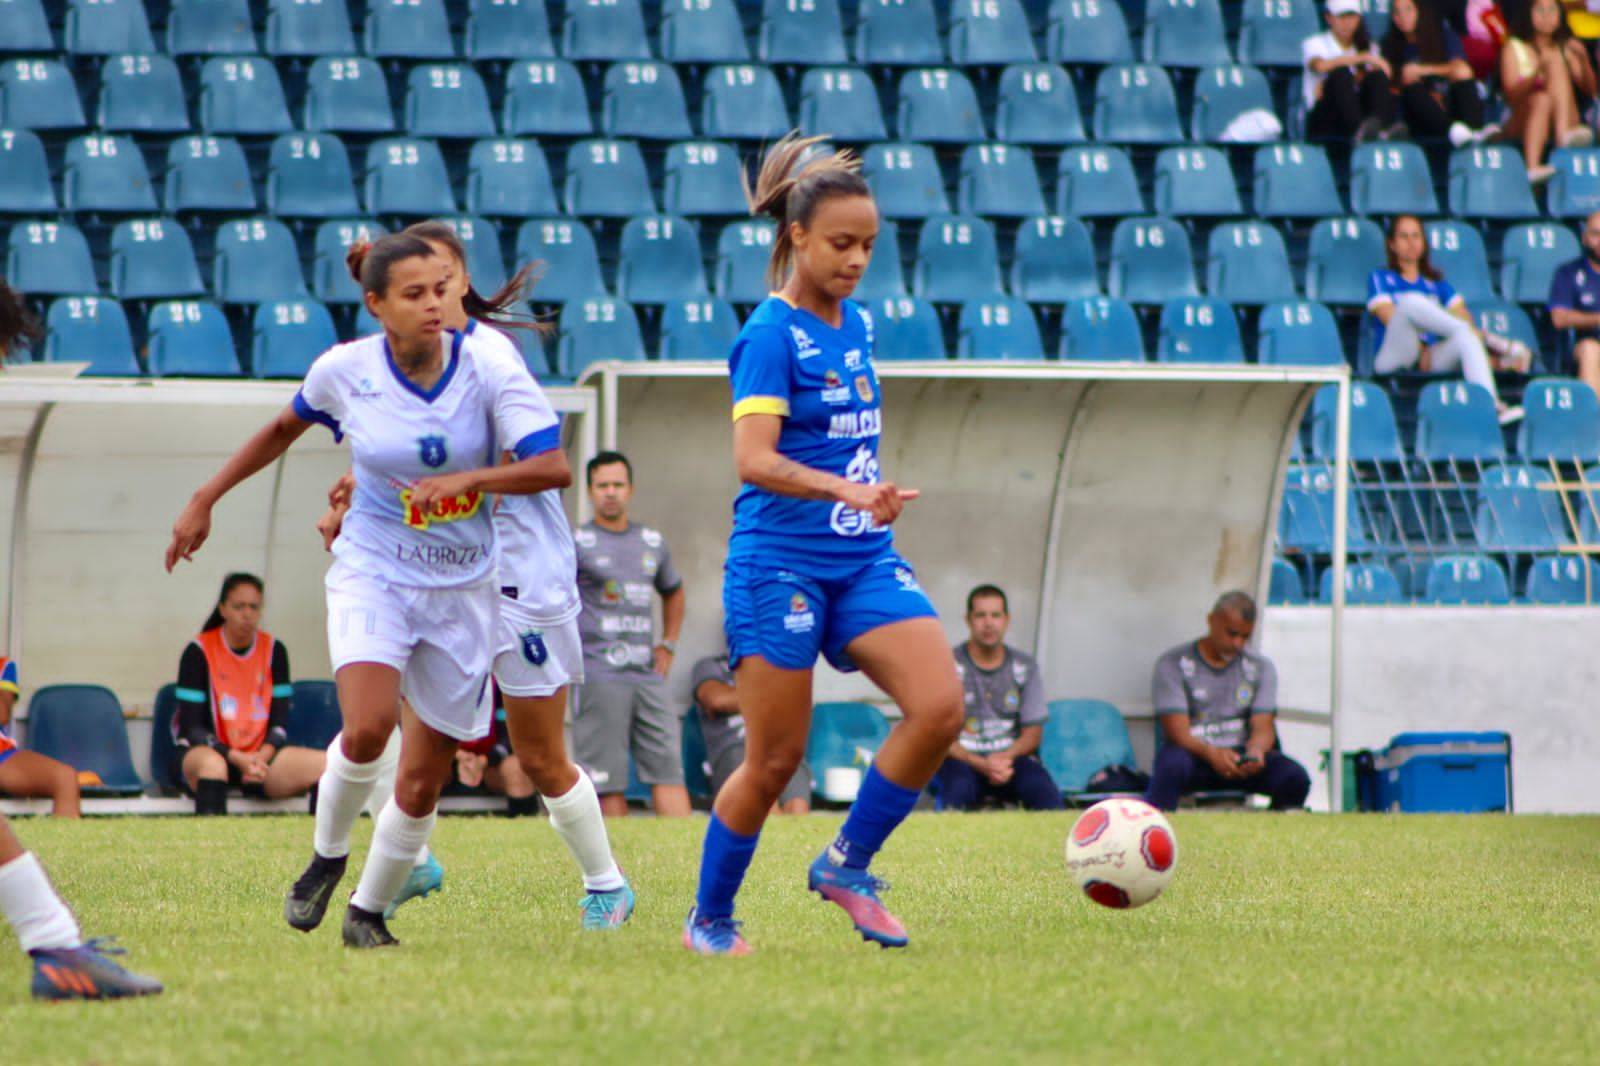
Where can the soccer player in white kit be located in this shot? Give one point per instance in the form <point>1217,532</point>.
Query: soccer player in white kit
<point>412,604</point>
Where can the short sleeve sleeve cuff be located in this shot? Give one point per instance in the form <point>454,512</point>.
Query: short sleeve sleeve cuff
<point>306,413</point>
<point>761,405</point>
<point>539,442</point>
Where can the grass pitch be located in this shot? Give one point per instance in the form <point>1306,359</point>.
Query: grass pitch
<point>1282,939</point>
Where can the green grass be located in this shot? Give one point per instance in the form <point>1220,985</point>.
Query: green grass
<point>1282,939</point>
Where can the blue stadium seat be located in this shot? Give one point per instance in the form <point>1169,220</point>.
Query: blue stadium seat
<point>1589,508</point>
<point>841,102</point>
<point>1104,330</point>
<point>743,249</point>
<point>1284,586</point>
<point>999,181</point>
<point>743,103</point>
<point>1222,94</point>
<point>1248,263</point>
<point>1562,423</point>
<point>1037,105</point>
<point>1507,320</point>
<point>1151,261</point>
<point>24,175</point>
<point>153,259</point>
<point>644,99</point>
<point>1456,248</point>
<point>347,96</point>
<point>330,280</point>
<point>308,176</point>
<point>1081,738</point>
<point>571,264</point>
<point>703,178</point>
<point>1466,579</point>
<point>801,31</point>
<point>843,736</point>
<point>1342,253</point>
<point>906,328</point>
<point>1490,182</point>
<point>107,28</point>
<point>486,262</point>
<point>210,28</point>
<point>998,328</point>
<point>956,260</point>
<point>447,100</point>
<point>406,176</point>
<point>49,259</point>
<point>1574,189</point>
<point>286,336</point>
<point>1306,521</point>
<point>695,767</point>
<point>163,749</point>
<point>314,718</point>
<point>38,94</point>
<point>243,96</point>
<point>1097,182</point>
<point>702,31</point>
<point>659,261</point>
<point>1088,32</point>
<point>1391,179</point>
<point>1053,261</point>
<point>1184,33</point>
<point>546,98</point>
<point>1294,181</point>
<point>1456,420</point>
<point>1374,432</point>
<point>1195,330</point>
<point>141,94</point>
<point>407,29</point>
<point>1365,585</point>
<point>884,276</point>
<point>256,260</point>
<point>1135,104</point>
<point>82,726</point>
<point>207,175</point>
<point>607,179</point>
<point>604,30</point>
<point>1270,31</point>
<point>508,29</point>
<point>510,177</point>
<point>93,330</point>
<point>1195,183</point>
<point>898,33</point>
<point>1557,580</point>
<point>190,338</point>
<point>1298,333</point>
<point>992,33</point>
<point>698,329</point>
<point>905,180</point>
<point>596,329</point>
<point>1515,514</point>
<point>24,27</point>
<point>297,28</point>
<point>106,174</point>
<point>1529,255</point>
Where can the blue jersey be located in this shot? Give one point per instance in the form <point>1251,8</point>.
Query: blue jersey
<point>789,362</point>
<point>1384,285</point>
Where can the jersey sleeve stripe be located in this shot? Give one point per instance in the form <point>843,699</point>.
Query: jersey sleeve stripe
<point>282,691</point>
<point>10,686</point>
<point>539,442</point>
<point>306,413</point>
<point>761,405</point>
<point>189,695</point>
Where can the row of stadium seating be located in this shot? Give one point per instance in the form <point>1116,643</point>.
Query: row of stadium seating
<point>1551,580</point>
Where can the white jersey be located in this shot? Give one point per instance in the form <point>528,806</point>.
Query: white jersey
<point>485,402</point>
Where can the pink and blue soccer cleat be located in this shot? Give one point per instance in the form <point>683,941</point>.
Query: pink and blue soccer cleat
<point>607,910</point>
<point>856,891</point>
<point>716,936</point>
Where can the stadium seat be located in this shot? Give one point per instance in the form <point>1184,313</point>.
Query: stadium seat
<point>163,749</point>
<point>898,33</point>
<point>843,741</point>
<point>1097,182</point>
<point>24,175</point>
<point>696,769</point>
<point>644,100</point>
<point>1456,420</point>
<point>743,249</point>
<point>884,276</point>
<point>447,100</point>
<point>1135,104</point>
<point>508,29</point>
<point>1365,585</point>
<point>1490,182</point>
<point>547,99</point>
<point>743,103</point>
<point>1507,320</point>
<point>607,179</point>
<point>256,260</point>
<point>1298,333</point>
<point>38,94</point>
<point>1514,514</point>
<point>841,102</point>
<point>596,329</point>
<point>698,329</point>
<point>330,279</point>
<point>347,96</point>
<point>1248,263</point>
<point>998,328</point>
<point>107,28</point>
<point>24,28</point>
<point>1562,423</point>
<point>1294,181</point>
<point>153,259</point>
<point>1374,432</point>
<point>1151,261</point>
<point>406,176</point>
<point>190,338</point>
<point>210,28</point>
<point>1088,32</point>
<point>1038,105</point>
<point>1081,738</point>
<point>1306,521</point>
<point>571,264</point>
<point>1456,248</point>
<point>1195,330</point>
<point>905,180</point>
<point>82,726</point>
<point>486,262</point>
<point>141,94</point>
<point>801,31</point>
<point>999,181</point>
<point>208,174</point>
<point>1589,507</point>
<point>604,30</point>
<point>510,177</point>
<point>308,176</point>
<point>297,28</point>
<point>1222,94</point>
<point>1456,580</point>
<point>659,261</point>
<point>1053,261</point>
<point>242,96</point>
<point>1391,179</point>
<point>1342,253</point>
<point>287,335</point>
<point>1103,330</point>
<point>1271,31</point>
<point>906,328</point>
<point>314,718</point>
<point>1563,580</point>
<point>106,174</point>
<point>1284,586</point>
<point>93,330</point>
<point>1184,33</point>
<point>990,34</point>
<point>956,260</point>
<point>1195,183</point>
<point>703,178</point>
<point>1574,189</point>
<point>49,259</point>
<point>1529,255</point>
<point>702,31</point>
<point>407,29</point>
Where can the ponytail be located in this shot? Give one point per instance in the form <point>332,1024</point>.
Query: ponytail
<point>19,328</point>
<point>493,310</point>
<point>229,583</point>
<point>371,261</point>
<point>788,190</point>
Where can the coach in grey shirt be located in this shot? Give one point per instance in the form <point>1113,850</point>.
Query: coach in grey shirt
<point>622,705</point>
<point>1217,703</point>
<point>723,727</point>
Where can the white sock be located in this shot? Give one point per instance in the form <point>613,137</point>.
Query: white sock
<point>33,908</point>
<point>576,817</point>
<point>344,789</point>
<point>389,763</point>
<point>394,851</point>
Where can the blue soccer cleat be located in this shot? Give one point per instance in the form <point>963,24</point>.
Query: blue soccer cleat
<point>856,891</point>
<point>425,879</point>
<point>718,936</point>
<point>607,910</point>
<point>86,972</point>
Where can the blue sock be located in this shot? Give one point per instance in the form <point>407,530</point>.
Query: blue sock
<point>880,806</point>
<point>722,865</point>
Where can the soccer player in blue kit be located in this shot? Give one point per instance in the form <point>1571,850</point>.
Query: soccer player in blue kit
<point>811,566</point>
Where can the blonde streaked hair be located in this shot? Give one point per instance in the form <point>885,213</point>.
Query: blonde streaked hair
<point>789,188</point>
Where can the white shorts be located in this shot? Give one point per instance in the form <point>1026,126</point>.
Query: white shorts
<point>534,660</point>
<point>441,640</point>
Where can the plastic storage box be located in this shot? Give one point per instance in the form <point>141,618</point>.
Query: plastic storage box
<point>1459,772</point>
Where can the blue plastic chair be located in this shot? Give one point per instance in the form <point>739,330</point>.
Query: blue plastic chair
<point>1248,263</point>
<point>49,259</point>
<point>107,28</point>
<point>106,174</point>
<point>1195,330</point>
<point>1284,587</point>
<point>841,102</point>
<point>210,27</point>
<point>596,329</point>
<point>1298,333</point>
<point>93,330</point>
<point>347,96</point>
<point>510,177</point>
<point>24,28</point>
<point>1507,320</point>
<point>286,337</point>
<point>1097,182</point>
<point>905,180</point>
<point>330,280</point>
<point>1305,522</point>
<point>299,29</point>
<point>703,178</point>
<point>1588,506</point>
<point>447,100</point>
<point>1514,514</point>
<point>1271,31</point>
<point>38,94</point>
<point>644,99</point>
<point>256,260</point>
<point>1365,585</point>
<point>571,263</point>
<point>1529,256</point>
<point>480,239</point>
<point>998,328</point>
<point>1195,183</point>
<point>1456,420</point>
<point>999,181</point>
<point>1466,579</point>
<point>607,179</point>
<point>243,96</point>
<point>406,176</point>
<point>314,716</point>
<point>1574,189</point>
<point>508,29</point>
<point>1053,261</point>
<point>141,94</point>
<point>1100,329</point>
<point>843,736</point>
<point>1087,32</point>
<point>1341,255</point>
<point>1490,182</point>
<point>1391,178</point>
<point>990,34</point>
<point>163,745</point>
<point>153,259</point>
<point>1374,430</point>
<point>190,338</point>
<point>698,329</point>
<point>742,103</point>
<point>1456,248</point>
<point>956,260</point>
<point>407,29</point>
<point>1562,423</point>
<point>1222,94</point>
<point>82,726</point>
<point>1563,580</point>
<point>659,261</point>
<point>938,105</point>
<point>801,33</point>
<point>1135,104</point>
<point>25,186</point>
<point>1037,105</point>
<point>1294,181</point>
<point>1081,738</point>
<point>906,328</point>
<point>308,176</point>
<point>1151,261</point>
<point>1184,33</point>
<point>898,33</point>
<point>706,31</point>
<point>884,276</point>
<point>208,174</point>
<point>604,31</point>
<point>743,250</point>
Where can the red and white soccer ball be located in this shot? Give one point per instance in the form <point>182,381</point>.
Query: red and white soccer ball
<point>1122,853</point>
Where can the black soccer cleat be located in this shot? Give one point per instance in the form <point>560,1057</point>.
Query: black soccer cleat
<point>308,899</point>
<point>366,929</point>
<point>87,972</point>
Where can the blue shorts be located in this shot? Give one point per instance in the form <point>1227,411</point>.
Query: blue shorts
<point>787,616</point>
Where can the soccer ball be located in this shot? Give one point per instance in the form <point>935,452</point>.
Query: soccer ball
<point>1122,853</point>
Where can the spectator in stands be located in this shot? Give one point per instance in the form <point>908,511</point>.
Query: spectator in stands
<point>723,727</point>
<point>1575,304</point>
<point>1216,704</point>
<point>233,707</point>
<point>1485,35</point>
<point>19,326</point>
<point>1547,80</point>
<point>1423,322</point>
<point>996,755</point>
<point>1438,95</point>
<point>1346,83</point>
<point>27,773</point>
<point>490,762</point>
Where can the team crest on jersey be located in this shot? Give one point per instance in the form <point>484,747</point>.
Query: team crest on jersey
<point>1244,694</point>
<point>864,389</point>
<point>611,592</point>
<point>365,391</point>
<point>433,451</point>
<point>805,347</point>
<point>651,538</point>
<point>1012,699</point>
<point>834,389</point>
<point>449,509</point>
<point>800,618</point>
<point>648,563</point>
<point>533,647</point>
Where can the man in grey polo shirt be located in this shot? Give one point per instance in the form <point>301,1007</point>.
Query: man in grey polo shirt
<point>1217,703</point>
<point>723,726</point>
<point>622,705</point>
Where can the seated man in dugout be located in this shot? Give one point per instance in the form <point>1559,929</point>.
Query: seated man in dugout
<point>717,704</point>
<point>27,774</point>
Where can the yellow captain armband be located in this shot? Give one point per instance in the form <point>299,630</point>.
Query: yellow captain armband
<point>761,405</point>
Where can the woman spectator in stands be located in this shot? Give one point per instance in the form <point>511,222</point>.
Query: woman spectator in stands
<point>1438,94</point>
<point>1345,81</point>
<point>1547,79</point>
<point>27,773</point>
<point>233,707</point>
<point>1423,322</point>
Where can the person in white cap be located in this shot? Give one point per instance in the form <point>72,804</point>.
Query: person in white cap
<point>1345,82</point>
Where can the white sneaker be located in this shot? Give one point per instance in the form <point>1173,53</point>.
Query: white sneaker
<point>1540,174</point>
<point>1578,137</point>
<point>1509,415</point>
<point>1461,135</point>
<point>1520,359</point>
